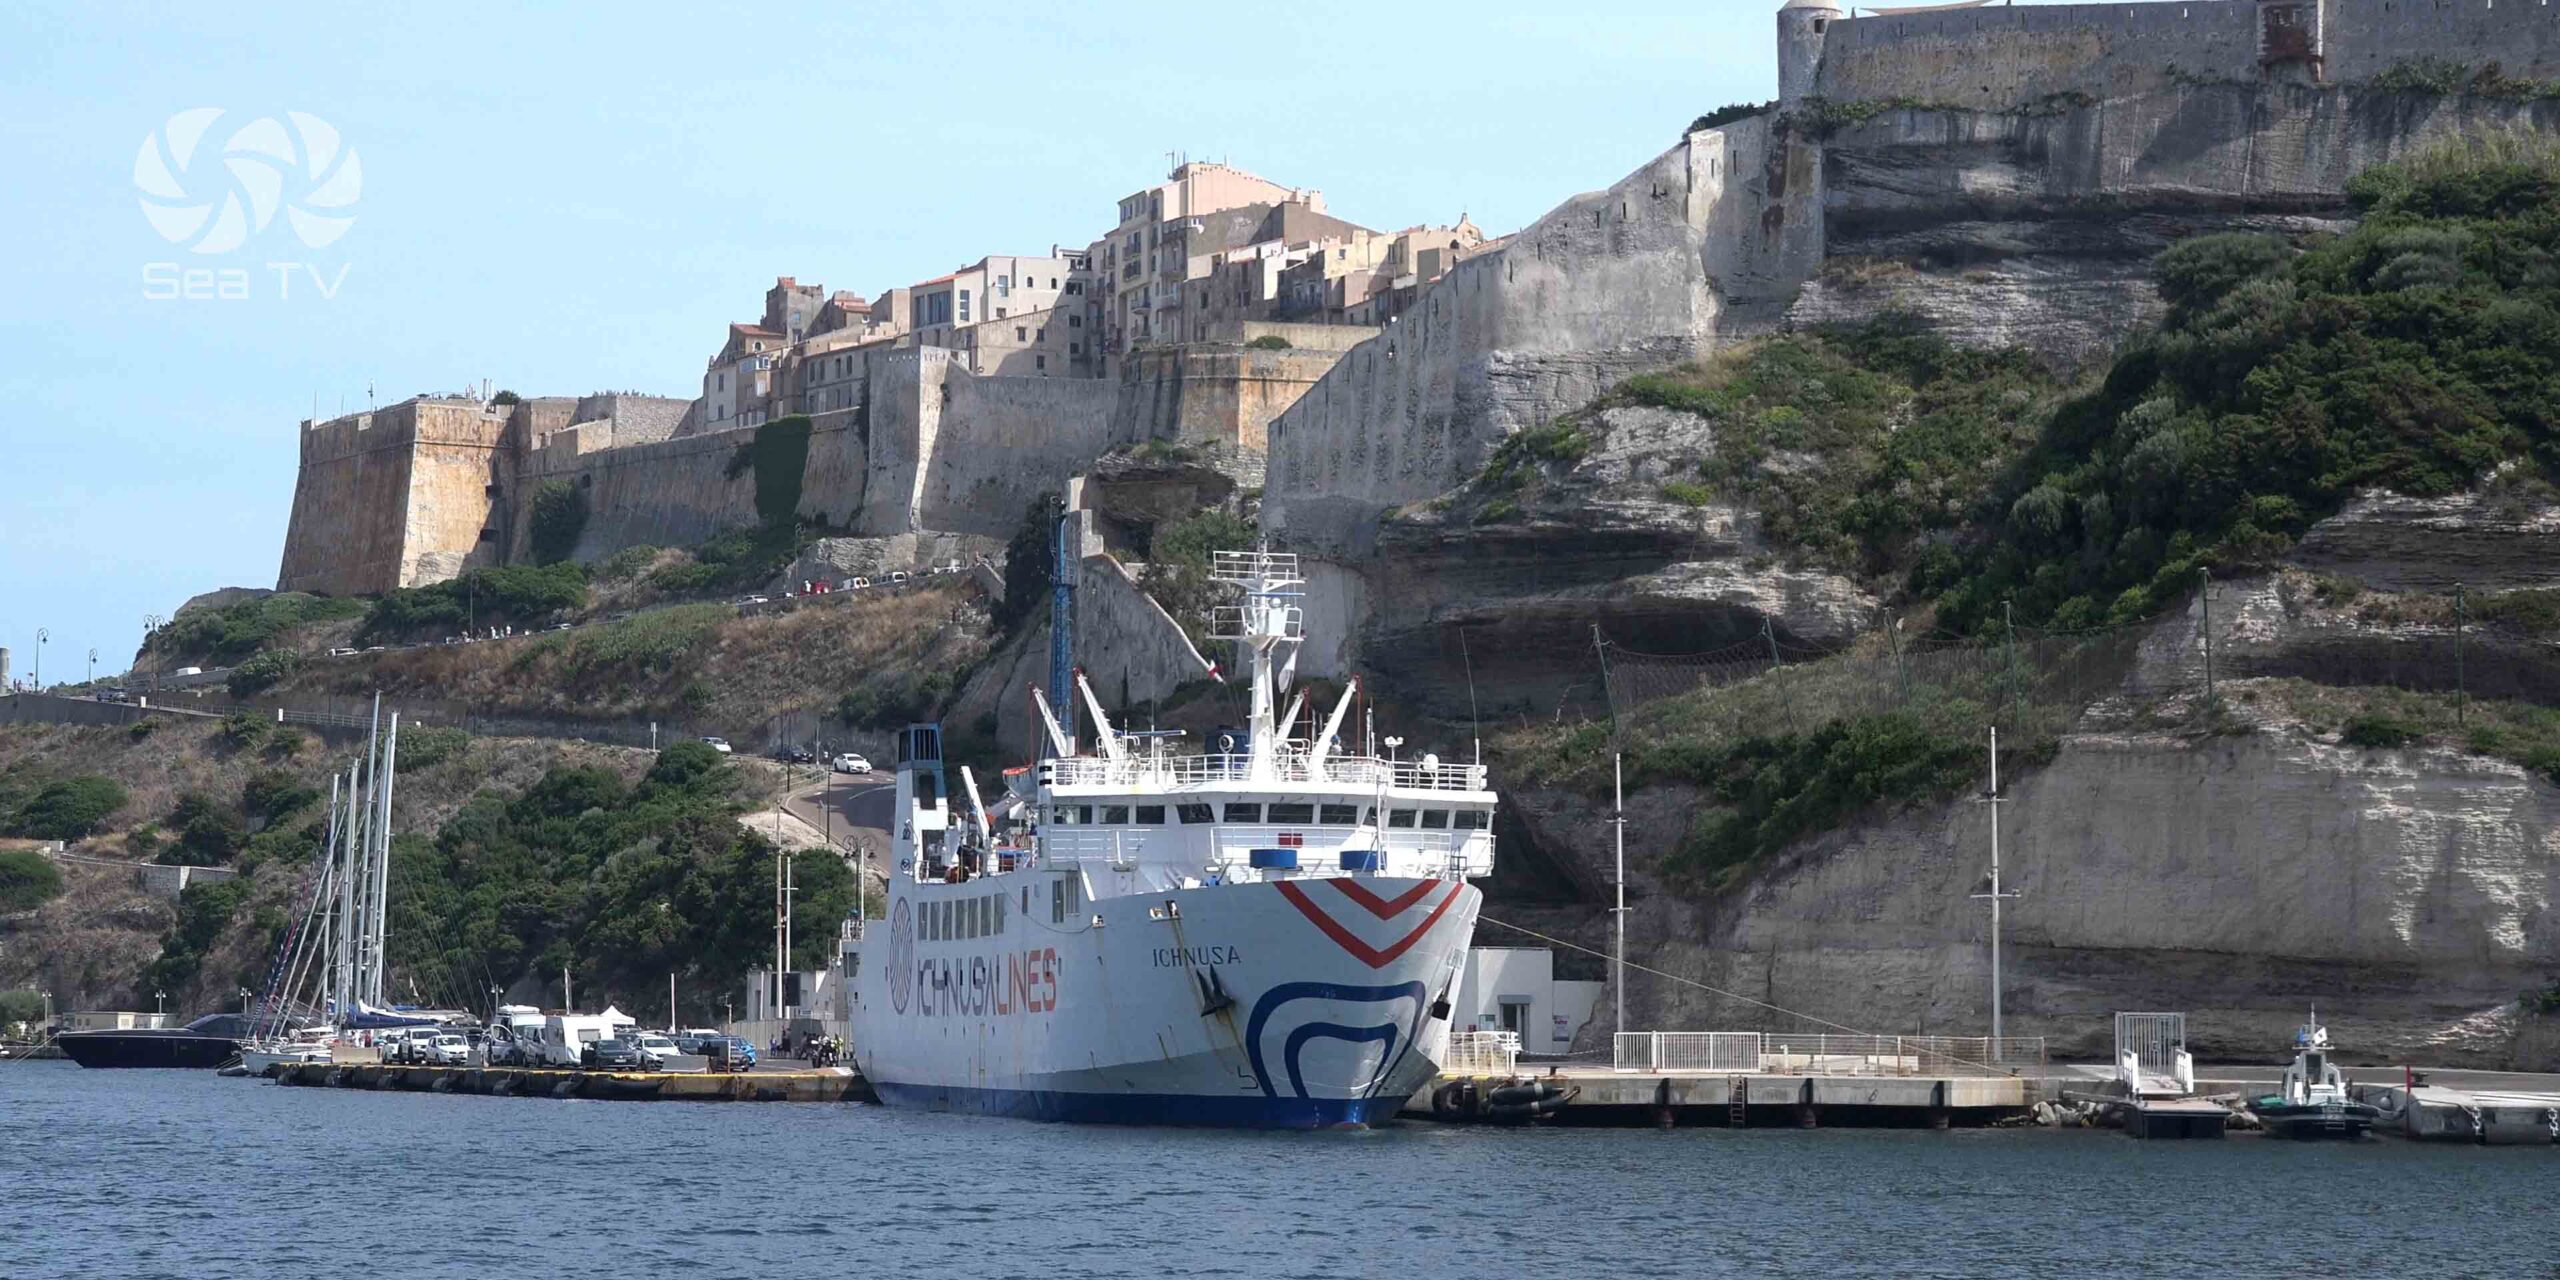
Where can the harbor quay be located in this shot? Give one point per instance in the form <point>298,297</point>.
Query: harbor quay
<point>822,1085</point>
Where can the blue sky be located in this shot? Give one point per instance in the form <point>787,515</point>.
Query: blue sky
<point>567,201</point>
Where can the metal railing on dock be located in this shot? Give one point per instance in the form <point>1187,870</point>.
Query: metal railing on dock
<point>1482,1053</point>
<point>1825,1055</point>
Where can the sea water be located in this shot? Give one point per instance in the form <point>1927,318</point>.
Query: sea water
<point>171,1173</point>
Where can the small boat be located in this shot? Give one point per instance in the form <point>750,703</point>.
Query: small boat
<point>2314,1103</point>
<point>261,1057</point>
<point>205,1043</point>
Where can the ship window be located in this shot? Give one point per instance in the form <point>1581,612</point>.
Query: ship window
<point>981,917</point>
<point>931,915</point>
<point>1339,815</point>
<point>1293,813</point>
<point>1244,813</point>
<point>1150,815</point>
<point>1470,819</point>
<point>1435,819</point>
<point>997,902</point>
<point>1115,815</point>
<point>1072,815</point>
<point>1400,817</point>
<point>1058,901</point>
<point>1194,813</point>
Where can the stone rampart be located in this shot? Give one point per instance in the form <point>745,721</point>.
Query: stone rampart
<point>998,444</point>
<point>392,498</point>
<point>1219,393</point>
<point>2006,56</point>
<point>2002,56</point>
<point>1712,233</point>
<point>664,493</point>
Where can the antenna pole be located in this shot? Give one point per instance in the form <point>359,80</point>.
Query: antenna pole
<point>1618,962</point>
<point>1997,894</point>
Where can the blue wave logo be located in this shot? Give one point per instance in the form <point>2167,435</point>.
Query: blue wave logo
<point>1395,1038</point>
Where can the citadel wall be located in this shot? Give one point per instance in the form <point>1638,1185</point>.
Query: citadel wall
<point>662,493</point>
<point>392,498</point>
<point>1217,393</point>
<point>1650,272</point>
<point>2006,56</point>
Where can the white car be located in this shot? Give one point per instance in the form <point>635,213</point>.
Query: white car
<point>446,1050</point>
<point>898,576</point>
<point>720,745</point>
<point>851,763</point>
<point>656,1047</point>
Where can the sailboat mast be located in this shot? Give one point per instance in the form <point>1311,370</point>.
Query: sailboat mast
<point>388,776</point>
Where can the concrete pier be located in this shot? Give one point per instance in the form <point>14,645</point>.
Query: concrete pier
<point>617,1086</point>
<point>2436,1113</point>
<point>1668,1099</point>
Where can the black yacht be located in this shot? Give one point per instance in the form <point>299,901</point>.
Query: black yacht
<point>208,1041</point>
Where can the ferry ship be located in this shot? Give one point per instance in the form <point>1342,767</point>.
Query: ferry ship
<point>1261,935</point>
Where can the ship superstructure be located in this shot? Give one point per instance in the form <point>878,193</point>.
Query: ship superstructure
<point>1264,933</point>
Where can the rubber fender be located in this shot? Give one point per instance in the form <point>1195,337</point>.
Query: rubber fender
<point>1454,1100</point>
<point>1523,1094</point>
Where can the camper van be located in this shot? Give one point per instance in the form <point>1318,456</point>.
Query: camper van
<point>564,1038</point>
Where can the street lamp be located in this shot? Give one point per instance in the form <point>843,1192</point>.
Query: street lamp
<point>93,666</point>
<point>160,1002</point>
<point>48,1011</point>
<point>42,635</point>
<point>494,992</point>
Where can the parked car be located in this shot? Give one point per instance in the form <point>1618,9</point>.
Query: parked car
<point>729,1053</point>
<point>188,671</point>
<point>611,1054</point>
<point>720,745</point>
<point>656,1047</point>
<point>562,626</point>
<point>798,755</point>
<point>851,763</point>
<point>897,576</point>
<point>447,1050</point>
<point>692,1039</point>
<point>856,583</point>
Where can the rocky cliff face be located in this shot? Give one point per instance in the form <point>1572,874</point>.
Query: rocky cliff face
<point>2241,879</point>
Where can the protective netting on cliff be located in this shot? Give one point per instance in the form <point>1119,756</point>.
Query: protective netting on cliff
<point>2032,684</point>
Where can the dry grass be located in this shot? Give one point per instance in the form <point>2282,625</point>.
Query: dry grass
<point>701,663</point>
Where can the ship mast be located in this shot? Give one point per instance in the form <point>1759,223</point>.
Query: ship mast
<point>1267,625</point>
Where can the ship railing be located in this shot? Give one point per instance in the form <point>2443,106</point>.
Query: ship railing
<point>1289,765</point>
<point>1482,1053</point>
<point>1825,1055</point>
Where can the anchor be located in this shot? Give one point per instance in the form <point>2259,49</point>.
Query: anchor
<point>1213,991</point>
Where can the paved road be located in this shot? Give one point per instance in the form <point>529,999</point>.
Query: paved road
<point>2226,1077</point>
<point>851,805</point>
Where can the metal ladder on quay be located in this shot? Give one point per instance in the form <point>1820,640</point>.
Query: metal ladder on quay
<point>1736,1114</point>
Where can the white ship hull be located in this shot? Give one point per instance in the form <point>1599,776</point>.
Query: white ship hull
<point>1298,1003</point>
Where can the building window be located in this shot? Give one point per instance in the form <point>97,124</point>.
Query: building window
<point>1075,322</point>
<point>1037,335</point>
<point>1018,331</point>
<point>1039,362</point>
<point>724,382</point>
<point>964,306</point>
<point>1075,348</point>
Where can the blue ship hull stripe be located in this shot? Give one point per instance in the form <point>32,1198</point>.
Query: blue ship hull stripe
<point>1244,1111</point>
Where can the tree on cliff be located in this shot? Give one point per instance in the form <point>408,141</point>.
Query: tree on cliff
<point>559,519</point>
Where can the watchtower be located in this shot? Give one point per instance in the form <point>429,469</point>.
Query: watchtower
<point>1802,24</point>
<point>2292,39</point>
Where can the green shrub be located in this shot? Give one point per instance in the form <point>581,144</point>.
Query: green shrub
<point>28,880</point>
<point>68,808</point>
<point>1730,113</point>
<point>1269,342</point>
<point>891,702</point>
<point>204,911</point>
<point>272,795</point>
<point>626,563</point>
<point>506,397</point>
<point>558,520</point>
<point>504,594</point>
<point>244,730</point>
<point>2380,730</point>
<point>1689,493</point>
<point>262,672</point>
<point>427,746</point>
<point>2535,611</point>
<point>142,728</point>
<point>218,637</point>
<point>210,833</point>
<point>1778,789</point>
<point>1029,561</point>
<point>2414,353</point>
<point>779,456</point>
<point>1178,565</point>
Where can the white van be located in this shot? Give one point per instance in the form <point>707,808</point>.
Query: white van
<point>565,1037</point>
